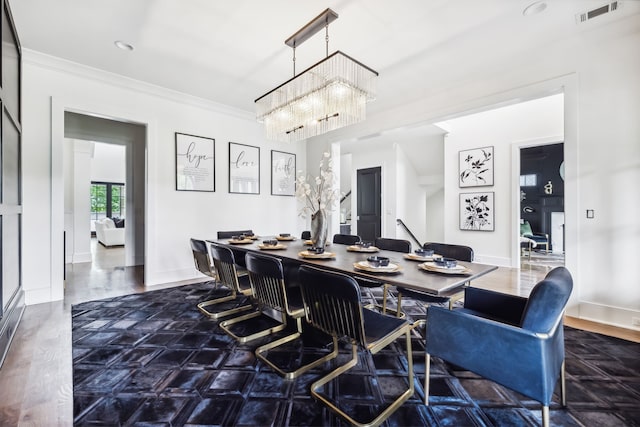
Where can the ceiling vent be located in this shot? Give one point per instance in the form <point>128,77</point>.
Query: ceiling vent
<point>598,11</point>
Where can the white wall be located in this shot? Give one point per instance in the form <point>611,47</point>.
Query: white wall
<point>108,163</point>
<point>499,128</point>
<point>51,85</point>
<point>411,199</point>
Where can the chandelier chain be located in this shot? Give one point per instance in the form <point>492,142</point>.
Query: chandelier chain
<point>326,39</point>
<point>294,60</point>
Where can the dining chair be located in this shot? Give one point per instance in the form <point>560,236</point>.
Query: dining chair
<point>457,252</point>
<point>239,286</point>
<point>239,255</point>
<point>306,235</point>
<point>332,304</point>
<point>345,239</point>
<point>275,304</point>
<point>202,260</point>
<point>394,245</point>
<point>516,342</point>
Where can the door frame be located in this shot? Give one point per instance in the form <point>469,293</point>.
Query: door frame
<point>357,198</point>
<point>58,106</point>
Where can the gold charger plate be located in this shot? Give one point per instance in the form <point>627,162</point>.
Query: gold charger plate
<point>311,255</point>
<point>414,257</point>
<point>285,239</point>
<point>310,243</point>
<point>432,267</point>
<point>240,242</point>
<point>365,266</point>
<point>271,247</point>
<point>356,248</point>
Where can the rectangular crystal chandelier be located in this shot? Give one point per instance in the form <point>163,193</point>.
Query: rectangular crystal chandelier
<point>329,95</point>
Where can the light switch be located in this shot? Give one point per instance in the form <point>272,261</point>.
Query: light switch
<point>590,213</point>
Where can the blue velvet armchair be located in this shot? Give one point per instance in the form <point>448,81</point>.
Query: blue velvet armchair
<point>516,342</point>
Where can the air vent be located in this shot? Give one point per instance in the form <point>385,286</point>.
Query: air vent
<point>598,11</point>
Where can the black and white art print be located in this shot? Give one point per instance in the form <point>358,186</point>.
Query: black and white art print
<point>477,211</point>
<point>283,173</point>
<point>195,163</point>
<point>244,169</point>
<point>475,167</point>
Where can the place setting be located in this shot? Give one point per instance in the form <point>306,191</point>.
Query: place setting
<point>445,266</point>
<point>316,253</point>
<point>242,239</point>
<point>362,247</point>
<point>271,244</point>
<point>422,255</point>
<point>285,237</point>
<point>377,264</point>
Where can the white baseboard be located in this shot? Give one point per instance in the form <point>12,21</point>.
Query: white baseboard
<point>493,260</point>
<point>39,296</point>
<point>81,257</point>
<point>614,316</point>
<point>163,277</point>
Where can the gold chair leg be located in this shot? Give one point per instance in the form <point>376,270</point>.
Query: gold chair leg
<point>289,375</point>
<point>350,364</point>
<point>427,369</point>
<point>224,325</point>
<point>545,416</point>
<point>563,387</point>
<point>224,313</point>
<point>384,298</point>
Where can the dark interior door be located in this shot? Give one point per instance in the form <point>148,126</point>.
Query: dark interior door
<point>369,207</point>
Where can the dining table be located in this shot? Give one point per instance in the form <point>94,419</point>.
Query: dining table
<point>407,270</point>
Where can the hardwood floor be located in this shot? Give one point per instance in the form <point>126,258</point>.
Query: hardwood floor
<point>36,378</point>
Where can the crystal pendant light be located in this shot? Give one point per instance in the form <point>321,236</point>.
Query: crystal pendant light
<point>329,95</point>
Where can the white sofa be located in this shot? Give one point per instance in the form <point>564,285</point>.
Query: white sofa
<point>108,234</point>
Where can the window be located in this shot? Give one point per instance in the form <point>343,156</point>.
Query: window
<point>107,201</point>
<point>528,180</point>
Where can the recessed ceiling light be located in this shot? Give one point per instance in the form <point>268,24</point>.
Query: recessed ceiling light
<point>122,45</point>
<point>534,8</point>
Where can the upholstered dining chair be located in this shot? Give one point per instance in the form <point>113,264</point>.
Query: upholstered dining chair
<point>345,239</point>
<point>516,342</point>
<point>395,245</point>
<point>458,252</point>
<point>271,294</point>
<point>239,287</point>
<point>332,304</point>
<point>305,235</point>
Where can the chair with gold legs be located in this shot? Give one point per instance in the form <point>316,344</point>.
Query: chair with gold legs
<point>332,304</point>
<point>202,260</point>
<point>272,295</point>
<point>239,286</point>
<point>395,245</point>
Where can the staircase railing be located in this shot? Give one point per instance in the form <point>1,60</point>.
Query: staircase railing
<point>413,236</point>
<point>345,196</point>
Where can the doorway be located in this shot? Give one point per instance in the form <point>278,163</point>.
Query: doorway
<point>369,203</point>
<point>542,215</point>
<point>112,170</point>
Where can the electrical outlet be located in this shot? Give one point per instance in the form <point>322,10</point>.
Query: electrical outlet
<point>635,321</point>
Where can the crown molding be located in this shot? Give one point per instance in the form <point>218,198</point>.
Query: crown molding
<point>55,63</point>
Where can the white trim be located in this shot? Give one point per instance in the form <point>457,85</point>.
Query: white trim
<point>42,60</point>
<point>609,315</point>
<point>493,260</point>
<point>81,257</point>
<point>38,296</point>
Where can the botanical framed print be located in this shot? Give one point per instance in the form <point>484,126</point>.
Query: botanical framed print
<point>283,173</point>
<point>195,163</point>
<point>244,169</point>
<point>477,211</point>
<point>475,167</point>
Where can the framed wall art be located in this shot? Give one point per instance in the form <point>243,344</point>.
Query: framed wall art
<point>477,211</point>
<point>195,163</point>
<point>244,169</point>
<point>475,167</point>
<point>283,173</point>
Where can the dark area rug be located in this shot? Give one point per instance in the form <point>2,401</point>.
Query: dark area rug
<point>153,359</point>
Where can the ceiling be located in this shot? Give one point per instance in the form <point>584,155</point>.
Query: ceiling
<point>233,52</point>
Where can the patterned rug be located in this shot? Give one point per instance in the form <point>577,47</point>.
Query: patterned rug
<point>153,359</point>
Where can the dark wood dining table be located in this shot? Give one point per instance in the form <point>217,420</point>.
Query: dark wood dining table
<point>409,275</point>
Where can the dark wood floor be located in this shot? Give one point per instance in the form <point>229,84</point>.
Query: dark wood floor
<point>36,378</point>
